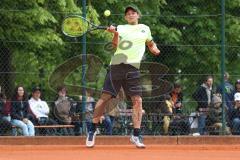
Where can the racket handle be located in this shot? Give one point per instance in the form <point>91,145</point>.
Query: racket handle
<point>104,27</point>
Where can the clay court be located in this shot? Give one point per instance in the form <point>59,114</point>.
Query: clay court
<point>124,152</point>
<point>109,148</point>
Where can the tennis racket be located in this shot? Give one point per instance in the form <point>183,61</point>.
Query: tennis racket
<point>76,26</point>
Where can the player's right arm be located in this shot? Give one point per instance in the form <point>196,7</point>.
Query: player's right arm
<point>115,39</point>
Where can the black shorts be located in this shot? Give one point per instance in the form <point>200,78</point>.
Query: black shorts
<point>125,76</point>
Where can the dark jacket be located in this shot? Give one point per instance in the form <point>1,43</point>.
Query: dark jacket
<point>215,116</point>
<point>1,107</point>
<point>177,110</point>
<point>19,110</point>
<point>235,113</point>
<point>229,94</point>
<point>200,95</point>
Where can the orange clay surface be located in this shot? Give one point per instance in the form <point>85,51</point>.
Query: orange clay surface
<point>123,152</point>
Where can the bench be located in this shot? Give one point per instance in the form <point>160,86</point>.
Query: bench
<point>51,126</point>
<point>55,126</point>
<point>47,127</point>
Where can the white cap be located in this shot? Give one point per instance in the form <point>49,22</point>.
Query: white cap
<point>237,97</point>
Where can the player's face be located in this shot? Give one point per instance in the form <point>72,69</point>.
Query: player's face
<point>132,17</point>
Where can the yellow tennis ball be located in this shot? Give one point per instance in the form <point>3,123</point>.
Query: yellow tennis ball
<point>107,13</point>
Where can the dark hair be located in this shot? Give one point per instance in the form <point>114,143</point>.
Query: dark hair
<point>207,78</point>
<point>177,85</point>
<point>167,97</point>
<point>15,94</point>
<point>36,88</point>
<point>59,88</point>
<point>237,82</point>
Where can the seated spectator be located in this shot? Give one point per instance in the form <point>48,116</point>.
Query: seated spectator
<point>89,114</point>
<point>65,111</point>
<point>180,124</point>
<point>20,112</point>
<point>203,96</point>
<point>235,118</point>
<point>177,98</point>
<point>214,118</point>
<point>40,112</point>
<point>236,90</point>
<point>5,118</point>
<point>5,107</point>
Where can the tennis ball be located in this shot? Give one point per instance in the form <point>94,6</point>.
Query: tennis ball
<point>107,13</point>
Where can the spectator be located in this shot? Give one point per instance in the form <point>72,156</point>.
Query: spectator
<point>177,98</point>
<point>180,124</point>
<point>5,107</point>
<point>236,90</point>
<point>20,112</point>
<point>236,115</point>
<point>65,110</point>
<point>229,89</point>
<point>5,124</point>
<point>105,120</point>
<point>40,112</point>
<point>214,118</point>
<point>237,86</point>
<point>203,96</point>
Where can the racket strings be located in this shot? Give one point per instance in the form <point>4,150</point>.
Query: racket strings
<point>75,26</point>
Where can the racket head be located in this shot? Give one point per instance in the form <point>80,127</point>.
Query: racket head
<point>75,26</point>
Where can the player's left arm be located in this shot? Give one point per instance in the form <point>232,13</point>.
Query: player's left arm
<point>153,47</point>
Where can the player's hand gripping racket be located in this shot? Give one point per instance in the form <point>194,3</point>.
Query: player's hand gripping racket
<point>76,26</point>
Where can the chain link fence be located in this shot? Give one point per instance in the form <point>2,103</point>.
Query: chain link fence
<point>34,52</point>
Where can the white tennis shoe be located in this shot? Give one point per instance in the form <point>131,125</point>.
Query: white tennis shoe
<point>90,141</point>
<point>137,140</point>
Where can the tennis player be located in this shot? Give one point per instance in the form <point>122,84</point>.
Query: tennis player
<point>130,41</point>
